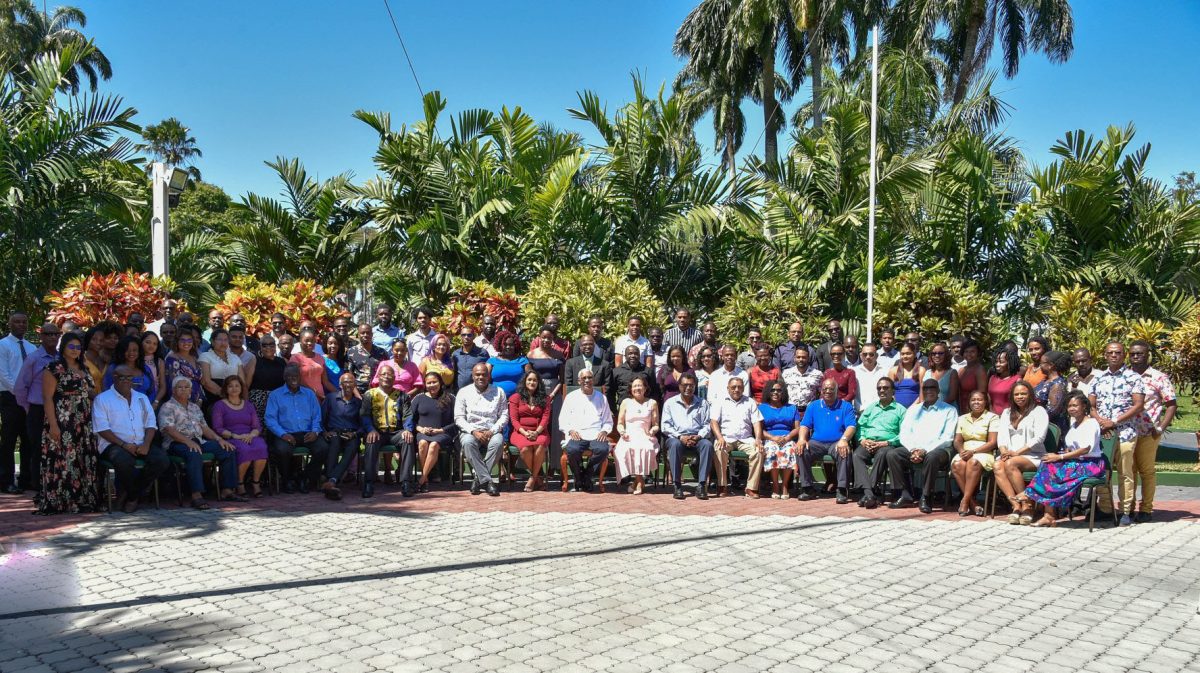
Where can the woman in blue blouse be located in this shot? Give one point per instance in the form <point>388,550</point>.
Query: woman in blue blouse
<point>781,427</point>
<point>508,367</point>
<point>129,352</point>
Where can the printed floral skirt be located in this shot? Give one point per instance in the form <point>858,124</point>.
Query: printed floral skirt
<point>1055,483</point>
<point>779,456</point>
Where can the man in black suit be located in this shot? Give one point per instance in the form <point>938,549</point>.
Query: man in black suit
<point>588,359</point>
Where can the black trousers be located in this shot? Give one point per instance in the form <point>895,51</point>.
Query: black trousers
<point>900,465</point>
<point>575,449</point>
<point>869,468</point>
<point>31,458</point>
<point>408,456</point>
<point>284,455</point>
<point>130,481</point>
<point>346,444</point>
<point>12,428</point>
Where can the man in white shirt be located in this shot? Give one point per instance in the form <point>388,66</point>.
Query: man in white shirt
<point>14,348</point>
<point>718,381</point>
<point>168,316</point>
<point>124,421</point>
<point>481,413</point>
<point>868,374</point>
<point>633,337</point>
<point>420,340</point>
<point>585,420</point>
<point>926,435</point>
<point>957,361</point>
<point>737,426</point>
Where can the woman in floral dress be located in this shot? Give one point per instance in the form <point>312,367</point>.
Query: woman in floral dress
<point>68,446</point>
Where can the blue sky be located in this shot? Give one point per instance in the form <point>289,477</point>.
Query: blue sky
<point>256,80</point>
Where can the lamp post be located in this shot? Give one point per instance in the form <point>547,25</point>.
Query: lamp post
<point>168,184</point>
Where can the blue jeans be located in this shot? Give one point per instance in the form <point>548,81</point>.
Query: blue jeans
<point>193,464</point>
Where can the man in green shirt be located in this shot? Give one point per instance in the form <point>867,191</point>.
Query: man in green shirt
<point>879,432</point>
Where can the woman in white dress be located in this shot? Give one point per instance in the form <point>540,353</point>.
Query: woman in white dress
<point>1022,441</point>
<point>636,452</point>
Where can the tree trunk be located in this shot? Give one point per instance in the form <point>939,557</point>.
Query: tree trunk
<point>966,66</point>
<point>730,160</point>
<point>770,106</point>
<point>817,58</point>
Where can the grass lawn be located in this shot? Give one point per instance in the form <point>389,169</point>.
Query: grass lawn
<point>1187,418</point>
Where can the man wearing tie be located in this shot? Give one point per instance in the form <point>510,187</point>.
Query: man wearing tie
<point>28,392</point>
<point>588,360</point>
<point>14,348</point>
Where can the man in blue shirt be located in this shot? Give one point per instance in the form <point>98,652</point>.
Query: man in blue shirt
<point>385,333</point>
<point>826,430</point>
<point>466,358</point>
<point>686,424</point>
<point>293,417</point>
<point>926,434</point>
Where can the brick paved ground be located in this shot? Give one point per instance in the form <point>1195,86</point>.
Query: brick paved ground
<point>550,581</point>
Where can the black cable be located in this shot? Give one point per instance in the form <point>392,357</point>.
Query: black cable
<point>404,48</point>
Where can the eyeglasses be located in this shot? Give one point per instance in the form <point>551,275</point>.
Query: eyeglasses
<point>74,347</point>
<point>883,388</point>
<point>122,377</point>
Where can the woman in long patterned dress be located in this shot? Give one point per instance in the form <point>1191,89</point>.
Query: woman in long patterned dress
<point>636,452</point>
<point>68,445</point>
<point>1060,474</point>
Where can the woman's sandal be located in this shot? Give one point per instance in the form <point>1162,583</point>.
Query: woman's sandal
<point>1045,522</point>
<point>257,489</point>
<point>978,511</point>
<point>201,504</point>
<point>529,486</point>
<point>1025,520</point>
<point>237,497</point>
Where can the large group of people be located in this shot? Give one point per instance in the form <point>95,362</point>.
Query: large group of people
<point>888,416</point>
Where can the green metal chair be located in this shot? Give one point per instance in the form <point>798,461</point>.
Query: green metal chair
<point>110,483</point>
<point>273,474</point>
<point>209,460</point>
<point>1109,447</point>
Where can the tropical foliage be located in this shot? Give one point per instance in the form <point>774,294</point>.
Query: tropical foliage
<point>69,186</point>
<point>470,302</point>
<point>937,305</point>
<point>299,299</point>
<point>770,310</point>
<point>170,142</point>
<point>87,300</point>
<point>575,294</point>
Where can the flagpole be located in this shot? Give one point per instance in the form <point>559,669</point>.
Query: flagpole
<point>871,216</point>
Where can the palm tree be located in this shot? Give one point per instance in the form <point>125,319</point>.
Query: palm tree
<point>27,32</point>
<point>972,27</point>
<point>741,40</point>
<point>830,27</point>
<point>169,142</point>
<point>314,233</point>
<point>69,184</point>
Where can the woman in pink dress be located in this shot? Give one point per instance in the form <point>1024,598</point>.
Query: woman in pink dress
<point>636,452</point>
<point>236,420</point>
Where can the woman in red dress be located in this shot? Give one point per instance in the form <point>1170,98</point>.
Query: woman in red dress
<point>529,413</point>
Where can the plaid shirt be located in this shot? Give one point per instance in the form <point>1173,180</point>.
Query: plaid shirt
<point>1158,392</point>
<point>1114,393</point>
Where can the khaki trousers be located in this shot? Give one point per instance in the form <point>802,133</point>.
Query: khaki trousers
<point>1135,460</point>
<point>756,462</point>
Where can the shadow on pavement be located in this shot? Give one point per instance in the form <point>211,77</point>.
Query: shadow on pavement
<point>408,572</point>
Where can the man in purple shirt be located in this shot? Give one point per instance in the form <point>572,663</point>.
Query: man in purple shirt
<point>28,391</point>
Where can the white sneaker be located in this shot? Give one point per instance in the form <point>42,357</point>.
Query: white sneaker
<point>1125,520</point>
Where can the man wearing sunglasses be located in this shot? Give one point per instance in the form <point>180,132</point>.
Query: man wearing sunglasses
<point>124,422</point>
<point>28,392</point>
